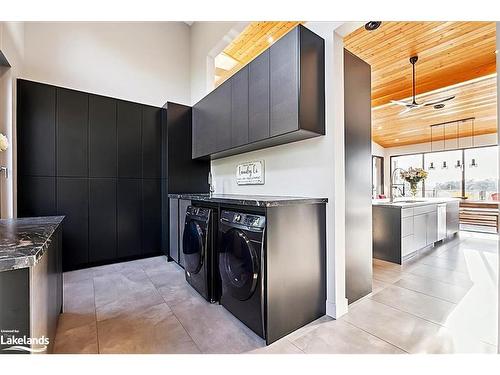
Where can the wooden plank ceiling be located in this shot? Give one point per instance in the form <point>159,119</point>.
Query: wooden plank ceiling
<point>254,39</point>
<point>449,53</point>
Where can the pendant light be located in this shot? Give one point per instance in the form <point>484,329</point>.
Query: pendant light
<point>473,163</point>
<point>444,166</point>
<point>459,164</point>
<point>431,166</point>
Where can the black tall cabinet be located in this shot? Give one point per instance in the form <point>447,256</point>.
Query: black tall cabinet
<point>107,165</point>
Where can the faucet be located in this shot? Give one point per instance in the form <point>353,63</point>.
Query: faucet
<point>211,183</point>
<point>392,182</point>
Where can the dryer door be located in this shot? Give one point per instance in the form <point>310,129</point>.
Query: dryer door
<point>193,246</point>
<point>238,264</point>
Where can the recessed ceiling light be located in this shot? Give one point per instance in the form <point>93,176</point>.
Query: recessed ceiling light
<point>270,39</point>
<point>496,51</point>
<point>397,139</point>
<point>379,128</point>
<point>372,25</point>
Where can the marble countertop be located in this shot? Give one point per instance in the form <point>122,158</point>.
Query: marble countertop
<point>24,241</point>
<point>409,202</point>
<point>249,200</point>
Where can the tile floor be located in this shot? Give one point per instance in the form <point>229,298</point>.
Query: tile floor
<point>441,301</point>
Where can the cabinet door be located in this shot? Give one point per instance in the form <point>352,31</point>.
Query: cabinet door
<point>72,133</point>
<point>151,221</point>
<point>102,136</point>
<point>102,219</point>
<point>204,130</point>
<point>432,228</point>
<point>258,98</point>
<point>151,142</point>
<point>420,231</point>
<point>239,108</point>
<point>129,139</point>
<point>73,202</point>
<point>36,196</point>
<point>36,129</point>
<point>174,229</point>
<point>220,115</point>
<point>284,83</point>
<point>129,217</point>
<point>183,205</point>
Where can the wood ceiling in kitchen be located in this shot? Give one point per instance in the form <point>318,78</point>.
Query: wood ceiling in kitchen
<point>449,53</point>
<point>254,39</point>
<point>476,98</point>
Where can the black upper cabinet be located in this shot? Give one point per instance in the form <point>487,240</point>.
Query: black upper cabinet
<point>151,142</point>
<point>129,202</point>
<point>220,115</point>
<point>102,136</point>
<point>258,98</point>
<point>36,130</point>
<point>102,219</point>
<point>72,202</point>
<point>129,139</point>
<point>72,133</point>
<point>278,98</point>
<point>183,174</point>
<point>239,108</point>
<point>284,84</point>
<point>151,216</point>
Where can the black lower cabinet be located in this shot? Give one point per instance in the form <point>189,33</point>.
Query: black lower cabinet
<point>129,217</point>
<point>151,216</point>
<point>36,196</point>
<point>174,229</point>
<point>102,219</point>
<point>72,202</point>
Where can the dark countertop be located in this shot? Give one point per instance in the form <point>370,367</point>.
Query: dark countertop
<point>249,200</point>
<point>23,241</point>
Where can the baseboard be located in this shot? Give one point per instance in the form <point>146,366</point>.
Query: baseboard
<point>336,310</point>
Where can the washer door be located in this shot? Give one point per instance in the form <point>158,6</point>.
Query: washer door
<point>193,246</point>
<point>238,264</point>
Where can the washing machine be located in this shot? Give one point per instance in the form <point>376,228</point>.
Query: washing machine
<point>197,246</point>
<point>241,267</point>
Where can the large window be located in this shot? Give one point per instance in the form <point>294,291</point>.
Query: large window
<point>445,174</point>
<point>377,176</point>
<point>470,173</point>
<point>481,165</point>
<point>401,187</point>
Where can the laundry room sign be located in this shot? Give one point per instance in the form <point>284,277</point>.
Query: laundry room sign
<point>250,173</point>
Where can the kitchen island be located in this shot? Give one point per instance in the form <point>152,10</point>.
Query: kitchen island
<point>30,283</point>
<point>404,227</point>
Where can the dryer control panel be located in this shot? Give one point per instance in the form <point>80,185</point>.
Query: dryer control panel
<point>248,220</point>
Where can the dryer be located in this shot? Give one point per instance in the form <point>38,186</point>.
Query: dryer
<point>241,267</point>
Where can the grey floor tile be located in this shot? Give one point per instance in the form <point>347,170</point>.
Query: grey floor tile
<point>445,291</point>
<point>442,274</point>
<point>410,333</point>
<point>152,330</point>
<point>119,294</point>
<point>164,274</point>
<point>78,340</point>
<point>340,337</point>
<point>214,329</point>
<point>386,275</point>
<point>282,346</point>
<point>424,306</point>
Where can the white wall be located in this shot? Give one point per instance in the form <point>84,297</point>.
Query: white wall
<point>12,46</point>
<point>145,62</point>
<point>305,168</point>
<point>207,40</point>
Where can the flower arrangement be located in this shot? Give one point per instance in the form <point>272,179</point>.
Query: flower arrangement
<point>413,176</point>
<point>4,142</point>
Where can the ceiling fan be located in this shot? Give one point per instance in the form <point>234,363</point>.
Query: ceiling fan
<point>414,104</point>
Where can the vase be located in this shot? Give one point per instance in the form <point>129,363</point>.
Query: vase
<point>413,189</point>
